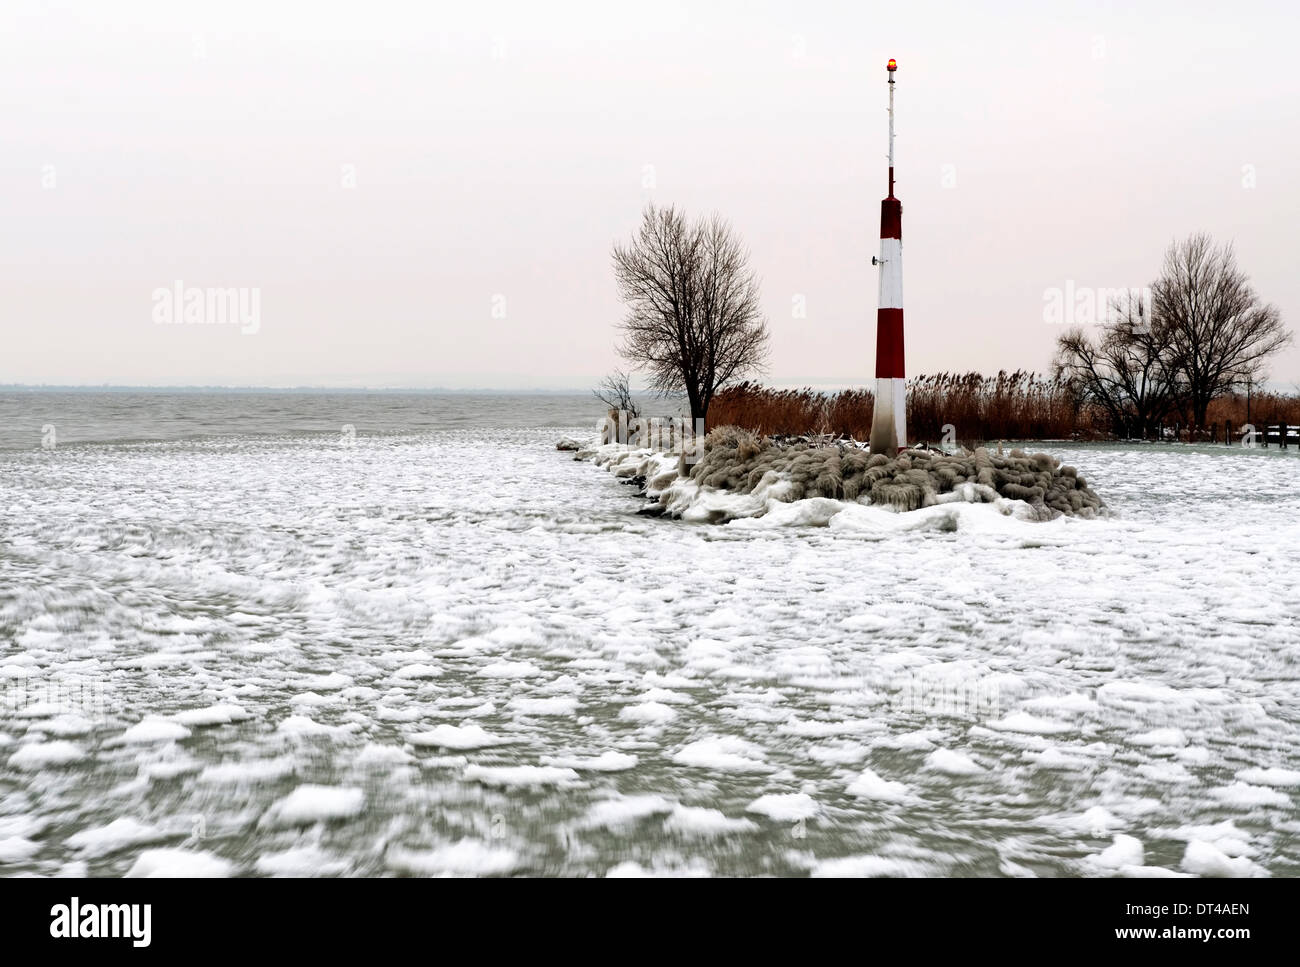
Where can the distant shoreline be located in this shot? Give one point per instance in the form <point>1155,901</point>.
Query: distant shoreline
<point>1274,386</point>
<point>407,391</point>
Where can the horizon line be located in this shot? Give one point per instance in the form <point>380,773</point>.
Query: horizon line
<point>309,387</point>
<point>813,384</point>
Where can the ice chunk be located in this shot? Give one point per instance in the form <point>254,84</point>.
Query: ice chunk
<point>655,713</point>
<point>623,812</point>
<point>15,849</point>
<point>1207,860</point>
<point>119,834</point>
<point>1282,778</point>
<point>465,857</point>
<point>1125,851</point>
<point>869,785</point>
<point>520,776</point>
<point>301,861</point>
<point>1245,796</point>
<point>179,863</point>
<point>702,821</point>
<point>468,736</point>
<point>725,754</point>
<point>952,763</point>
<point>40,755</point>
<point>869,866</point>
<point>785,807</point>
<point>313,803</point>
<point>1024,722</point>
<point>610,761</point>
<point>212,715</point>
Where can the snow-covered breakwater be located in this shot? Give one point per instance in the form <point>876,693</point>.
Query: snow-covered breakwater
<point>738,474</point>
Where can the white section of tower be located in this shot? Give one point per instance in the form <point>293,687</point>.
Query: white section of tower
<point>891,403</point>
<point>891,273</point>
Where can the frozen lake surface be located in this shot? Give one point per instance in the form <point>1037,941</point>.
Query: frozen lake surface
<point>457,651</point>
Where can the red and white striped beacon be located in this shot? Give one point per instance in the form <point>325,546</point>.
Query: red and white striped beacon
<point>889,420</point>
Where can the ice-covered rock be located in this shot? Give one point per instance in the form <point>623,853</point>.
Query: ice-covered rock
<point>736,474</point>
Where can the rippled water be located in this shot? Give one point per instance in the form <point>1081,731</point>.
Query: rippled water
<point>449,648</point>
<point>36,418</point>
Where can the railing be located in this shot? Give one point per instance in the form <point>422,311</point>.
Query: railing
<point>1282,435</point>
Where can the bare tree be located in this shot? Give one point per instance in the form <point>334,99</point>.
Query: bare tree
<point>1221,333</point>
<point>1125,368</point>
<point>616,393</point>
<point>693,317</point>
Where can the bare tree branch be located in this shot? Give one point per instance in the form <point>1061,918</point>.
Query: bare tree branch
<point>694,320</point>
<point>1222,334</point>
<point>1124,369</point>
<point>616,393</point>
<point>1206,334</point>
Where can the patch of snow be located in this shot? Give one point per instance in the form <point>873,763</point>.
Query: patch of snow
<point>314,803</point>
<point>871,786</point>
<point>180,863</point>
<point>952,763</point>
<point>724,754</point>
<point>33,756</point>
<point>605,762</point>
<point>785,807</point>
<point>119,834</point>
<point>469,736</point>
<point>520,776</point>
<point>465,857</point>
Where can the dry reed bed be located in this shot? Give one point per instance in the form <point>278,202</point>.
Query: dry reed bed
<point>1008,406</point>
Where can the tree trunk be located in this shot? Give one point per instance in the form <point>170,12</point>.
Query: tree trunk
<point>698,409</point>
<point>1199,410</point>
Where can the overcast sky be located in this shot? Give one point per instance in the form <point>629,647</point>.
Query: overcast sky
<point>426,194</point>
